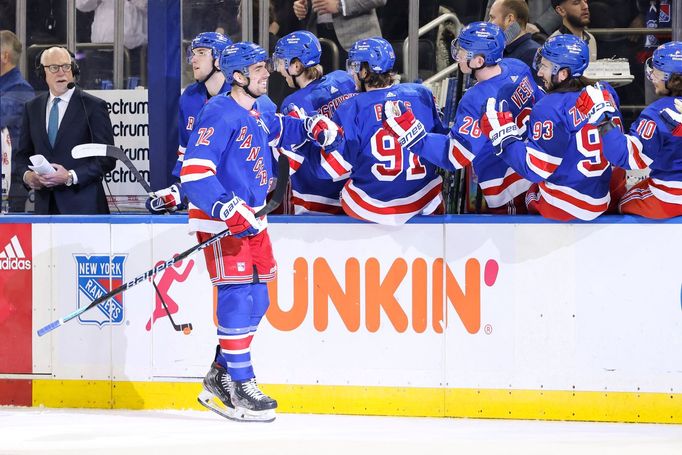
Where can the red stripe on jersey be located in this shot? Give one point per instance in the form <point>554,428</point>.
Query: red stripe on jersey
<point>506,183</point>
<point>294,165</point>
<point>235,344</point>
<point>317,206</point>
<point>201,215</point>
<point>195,169</point>
<point>459,157</point>
<point>575,201</point>
<point>664,188</point>
<point>405,208</point>
<point>637,155</point>
<point>542,164</point>
<point>335,165</point>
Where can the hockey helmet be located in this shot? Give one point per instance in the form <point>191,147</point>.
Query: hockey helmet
<point>564,51</point>
<point>376,52</point>
<point>238,57</point>
<point>667,59</point>
<point>302,45</point>
<point>209,40</point>
<point>480,38</point>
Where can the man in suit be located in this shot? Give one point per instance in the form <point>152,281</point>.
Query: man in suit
<point>342,21</point>
<point>53,124</point>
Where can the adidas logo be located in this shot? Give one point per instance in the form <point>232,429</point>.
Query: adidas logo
<point>333,90</point>
<point>514,78</point>
<point>12,257</point>
<point>390,95</point>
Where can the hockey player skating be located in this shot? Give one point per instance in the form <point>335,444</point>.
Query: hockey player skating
<point>562,155</point>
<point>387,184</point>
<point>226,173</point>
<point>478,51</point>
<point>654,141</point>
<point>297,59</point>
<point>203,54</point>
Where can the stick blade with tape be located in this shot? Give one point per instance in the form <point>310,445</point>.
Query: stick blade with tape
<point>89,150</point>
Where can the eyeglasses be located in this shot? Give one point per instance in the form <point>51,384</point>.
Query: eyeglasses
<point>66,67</point>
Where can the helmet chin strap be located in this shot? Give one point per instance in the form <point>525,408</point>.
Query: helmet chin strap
<point>473,70</point>
<point>293,78</point>
<point>210,75</point>
<point>363,86</point>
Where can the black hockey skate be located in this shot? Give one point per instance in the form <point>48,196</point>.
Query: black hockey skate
<point>250,403</point>
<point>216,393</point>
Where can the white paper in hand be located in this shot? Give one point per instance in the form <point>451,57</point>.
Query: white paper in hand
<point>40,165</point>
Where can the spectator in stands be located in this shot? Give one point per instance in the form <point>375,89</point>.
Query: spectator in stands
<point>14,93</point>
<point>134,27</point>
<point>575,15</point>
<point>343,22</point>
<point>512,17</point>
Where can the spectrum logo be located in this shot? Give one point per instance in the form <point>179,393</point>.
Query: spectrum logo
<point>12,257</point>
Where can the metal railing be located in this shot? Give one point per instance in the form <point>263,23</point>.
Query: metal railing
<point>410,69</point>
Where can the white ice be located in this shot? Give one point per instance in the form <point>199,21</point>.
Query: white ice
<point>99,432</point>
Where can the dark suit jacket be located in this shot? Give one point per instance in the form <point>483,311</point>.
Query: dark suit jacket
<point>87,196</point>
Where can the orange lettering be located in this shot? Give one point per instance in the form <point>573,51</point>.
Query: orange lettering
<point>419,294</point>
<point>380,294</point>
<point>326,288</point>
<point>287,320</point>
<point>467,305</point>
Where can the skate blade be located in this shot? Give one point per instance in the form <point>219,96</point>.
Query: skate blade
<point>247,415</point>
<point>209,401</point>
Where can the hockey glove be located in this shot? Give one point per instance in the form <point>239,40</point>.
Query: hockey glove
<point>596,103</point>
<point>239,217</point>
<point>500,127</point>
<point>673,120</point>
<point>323,132</point>
<point>165,200</point>
<point>400,122</point>
<point>294,111</point>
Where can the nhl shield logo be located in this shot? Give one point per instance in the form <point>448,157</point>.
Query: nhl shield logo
<point>97,275</point>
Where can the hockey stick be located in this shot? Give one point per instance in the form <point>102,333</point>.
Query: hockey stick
<point>90,150</point>
<point>184,328</point>
<point>275,201</point>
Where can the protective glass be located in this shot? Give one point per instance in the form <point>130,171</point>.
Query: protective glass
<point>199,52</point>
<point>459,54</point>
<point>353,67</point>
<point>652,73</point>
<point>66,67</point>
<point>278,63</point>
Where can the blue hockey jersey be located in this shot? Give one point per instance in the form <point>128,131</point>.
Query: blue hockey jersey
<point>564,154</point>
<point>228,154</point>
<point>192,100</point>
<point>466,143</point>
<point>651,144</point>
<point>387,185</point>
<point>312,194</point>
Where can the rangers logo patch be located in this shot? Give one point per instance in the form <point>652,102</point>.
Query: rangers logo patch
<point>97,275</point>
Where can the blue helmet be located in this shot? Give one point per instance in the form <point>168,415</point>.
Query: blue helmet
<point>376,52</point>
<point>667,58</point>
<point>209,40</point>
<point>238,57</point>
<point>302,45</point>
<point>564,51</point>
<point>480,38</point>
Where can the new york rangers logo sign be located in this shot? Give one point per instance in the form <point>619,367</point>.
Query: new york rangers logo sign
<point>97,275</point>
